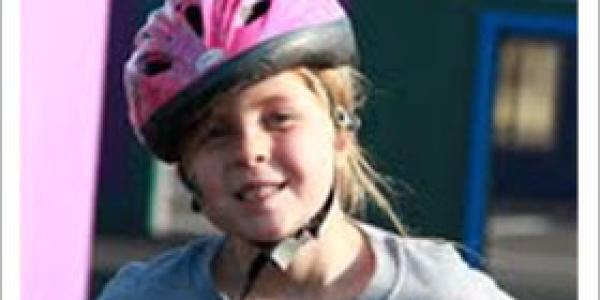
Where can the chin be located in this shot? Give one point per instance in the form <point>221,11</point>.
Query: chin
<point>266,233</point>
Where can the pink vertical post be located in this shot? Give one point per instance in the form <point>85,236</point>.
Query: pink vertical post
<point>62,63</point>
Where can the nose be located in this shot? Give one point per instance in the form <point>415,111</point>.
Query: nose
<point>253,147</point>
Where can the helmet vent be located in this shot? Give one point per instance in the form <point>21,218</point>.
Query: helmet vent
<point>193,15</point>
<point>258,9</point>
<point>154,63</point>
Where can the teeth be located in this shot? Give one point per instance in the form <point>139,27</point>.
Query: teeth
<point>257,192</point>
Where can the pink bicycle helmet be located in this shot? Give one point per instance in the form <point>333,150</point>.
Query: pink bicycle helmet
<point>190,50</point>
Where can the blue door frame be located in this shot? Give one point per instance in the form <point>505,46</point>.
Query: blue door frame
<point>492,25</point>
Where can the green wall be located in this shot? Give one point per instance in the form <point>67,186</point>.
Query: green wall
<point>420,57</point>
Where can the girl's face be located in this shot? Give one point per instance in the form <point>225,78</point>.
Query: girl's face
<point>265,159</point>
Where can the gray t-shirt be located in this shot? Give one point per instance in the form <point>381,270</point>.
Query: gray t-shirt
<point>406,268</point>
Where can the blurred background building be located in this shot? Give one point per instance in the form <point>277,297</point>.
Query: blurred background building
<point>473,112</point>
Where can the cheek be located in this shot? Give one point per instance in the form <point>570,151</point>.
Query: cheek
<point>208,179</point>
<point>310,156</point>
<point>319,148</point>
<point>208,175</point>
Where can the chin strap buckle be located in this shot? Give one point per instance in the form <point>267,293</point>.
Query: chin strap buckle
<point>283,254</point>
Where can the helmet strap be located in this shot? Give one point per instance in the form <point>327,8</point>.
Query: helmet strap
<point>192,187</point>
<point>282,253</point>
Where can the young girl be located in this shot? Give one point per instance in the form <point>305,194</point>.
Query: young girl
<point>255,102</point>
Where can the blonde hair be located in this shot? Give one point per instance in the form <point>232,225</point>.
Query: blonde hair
<point>356,179</point>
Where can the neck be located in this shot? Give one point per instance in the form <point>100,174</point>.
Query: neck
<point>316,268</point>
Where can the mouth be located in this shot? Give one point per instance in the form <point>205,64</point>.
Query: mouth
<point>256,192</point>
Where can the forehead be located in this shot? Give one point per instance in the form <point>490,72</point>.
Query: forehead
<point>290,87</point>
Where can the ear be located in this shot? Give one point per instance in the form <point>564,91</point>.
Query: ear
<point>342,141</point>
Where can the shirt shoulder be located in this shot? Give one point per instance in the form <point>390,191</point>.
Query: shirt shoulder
<point>176,274</point>
<point>430,269</point>
<point>434,268</point>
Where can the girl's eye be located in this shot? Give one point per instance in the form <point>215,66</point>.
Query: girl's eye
<point>278,120</point>
<point>215,132</point>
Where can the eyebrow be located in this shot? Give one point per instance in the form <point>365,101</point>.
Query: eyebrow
<point>223,112</point>
<point>314,83</point>
<point>274,98</point>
